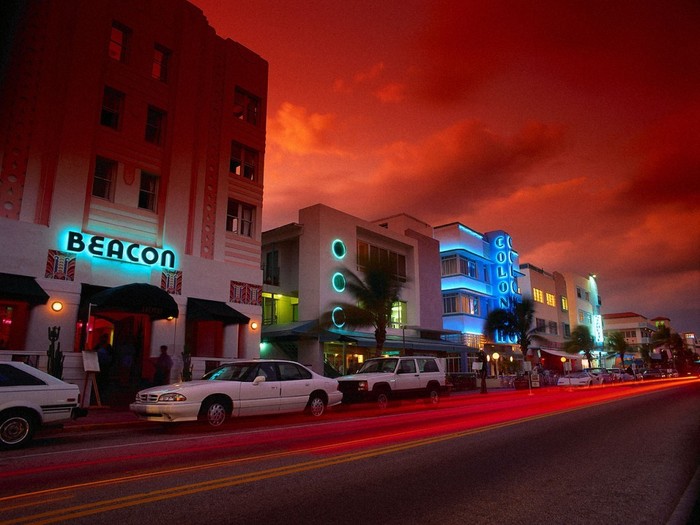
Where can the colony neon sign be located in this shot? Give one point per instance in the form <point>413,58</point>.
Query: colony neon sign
<point>506,285</point>
<point>99,246</point>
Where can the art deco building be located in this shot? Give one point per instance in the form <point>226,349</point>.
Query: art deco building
<point>132,152</point>
<point>306,265</point>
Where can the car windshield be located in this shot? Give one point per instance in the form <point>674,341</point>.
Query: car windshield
<point>578,374</point>
<point>232,372</point>
<point>374,366</point>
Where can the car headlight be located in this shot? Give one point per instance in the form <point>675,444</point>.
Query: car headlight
<point>362,386</point>
<point>166,398</point>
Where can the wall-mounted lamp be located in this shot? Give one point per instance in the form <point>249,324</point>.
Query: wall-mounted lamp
<point>254,325</point>
<point>57,306</point>
<point>170,318</point>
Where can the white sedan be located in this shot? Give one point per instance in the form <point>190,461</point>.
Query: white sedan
<point>29,399</point>
<point>581,378</point>
<point>240,388</point>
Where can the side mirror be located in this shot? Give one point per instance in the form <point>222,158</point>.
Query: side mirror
<point>258,380</point>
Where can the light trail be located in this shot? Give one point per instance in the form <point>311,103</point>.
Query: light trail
<point>411,439</point>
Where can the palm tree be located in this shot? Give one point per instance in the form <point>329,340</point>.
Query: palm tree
<point>581,341</point>
<point>616,342</point>
<point>514,321</point>
<point>374,291</point>
<point>674,342</point>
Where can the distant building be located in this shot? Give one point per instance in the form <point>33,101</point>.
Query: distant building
<point>637,329</point>
<point>479,274</point>
<point>304,274</point>
<point>132,160</point>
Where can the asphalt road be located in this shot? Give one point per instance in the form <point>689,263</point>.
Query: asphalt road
<point>612,455</point>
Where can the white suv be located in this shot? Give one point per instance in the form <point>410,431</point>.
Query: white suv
<point>386,378</point>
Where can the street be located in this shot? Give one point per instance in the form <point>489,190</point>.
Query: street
<point>613,454</point>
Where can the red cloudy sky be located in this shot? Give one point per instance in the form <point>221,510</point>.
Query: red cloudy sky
<point>573,125</point>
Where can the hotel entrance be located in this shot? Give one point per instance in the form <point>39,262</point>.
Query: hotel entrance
<point>116,323</point>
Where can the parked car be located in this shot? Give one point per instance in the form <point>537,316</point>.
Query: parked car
<point>602,375</point>
<point>386,378</point>
<point>616,374</point>
<point>580,378</point>
<point>240,388</point>
<point>31,399</point>
<point>652,373</point>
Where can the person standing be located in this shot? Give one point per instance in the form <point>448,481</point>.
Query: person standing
<point>164,364</point>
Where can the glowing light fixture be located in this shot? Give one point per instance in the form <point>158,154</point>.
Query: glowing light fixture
<point>338,248</point>
<point>496,356</point>
<point>338,281</point>
<point>254,325</point>
<point>338,317</point>
<point>57,306</point>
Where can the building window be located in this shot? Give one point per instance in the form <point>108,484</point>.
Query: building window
<point>119,42</point>
<point>579,292</point>
<point>551,300</point>
<point>449,303</point>
<point>537,295</point>
<point>398,314</point>
<point>246,106</point>
<point>540,325</point>
<point>244,161</point>
<point>449,265</point>
<point>148,191</point>
<point>161,60</point>
<point>564,303</point>
<point>104,178</point>
<point>239,218</point>
<point>155,125</point>
<point>552,328</point>
<point>453,303</point>
<point>112,108</point>
<point>567,330</point>
<point>368,252</point>
<point>271,272</point>
<point>458,265</point>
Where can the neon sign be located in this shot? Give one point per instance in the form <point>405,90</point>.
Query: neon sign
<point>134,253</point>
<point>506,289</point>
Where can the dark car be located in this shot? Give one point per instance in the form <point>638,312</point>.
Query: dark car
<point>652,373</point>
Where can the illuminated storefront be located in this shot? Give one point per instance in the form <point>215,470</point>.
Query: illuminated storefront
<point>119,227</point>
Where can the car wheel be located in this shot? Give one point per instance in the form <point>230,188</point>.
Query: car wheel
<point>433,395</point>
<point>16,429</point>
<point>214,413</point>
<point>316,406</point>
<point>383,400</point>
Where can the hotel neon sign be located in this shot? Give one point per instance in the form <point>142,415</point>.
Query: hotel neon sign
<point>104,247</point>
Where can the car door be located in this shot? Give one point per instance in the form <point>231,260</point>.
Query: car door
<point>296,384</point>
<point>429,371</point>
<point>407,376</point>
<point>260,396</point>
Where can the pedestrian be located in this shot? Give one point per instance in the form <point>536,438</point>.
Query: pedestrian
<point>105,356</point>
<point>164,364</point>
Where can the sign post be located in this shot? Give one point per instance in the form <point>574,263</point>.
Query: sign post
<point>92,368</point>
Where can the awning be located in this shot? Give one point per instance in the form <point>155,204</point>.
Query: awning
<point>291,331</point>
<point>22,288</point>
<point>206,310</point>
<point>365,340</point>
<point>558,353</point>
<point>137,298</point>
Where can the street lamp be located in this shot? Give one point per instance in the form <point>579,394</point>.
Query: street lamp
<point>496,356</point>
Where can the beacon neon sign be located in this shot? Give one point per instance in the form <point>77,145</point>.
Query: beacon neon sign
<point>104,247</point>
